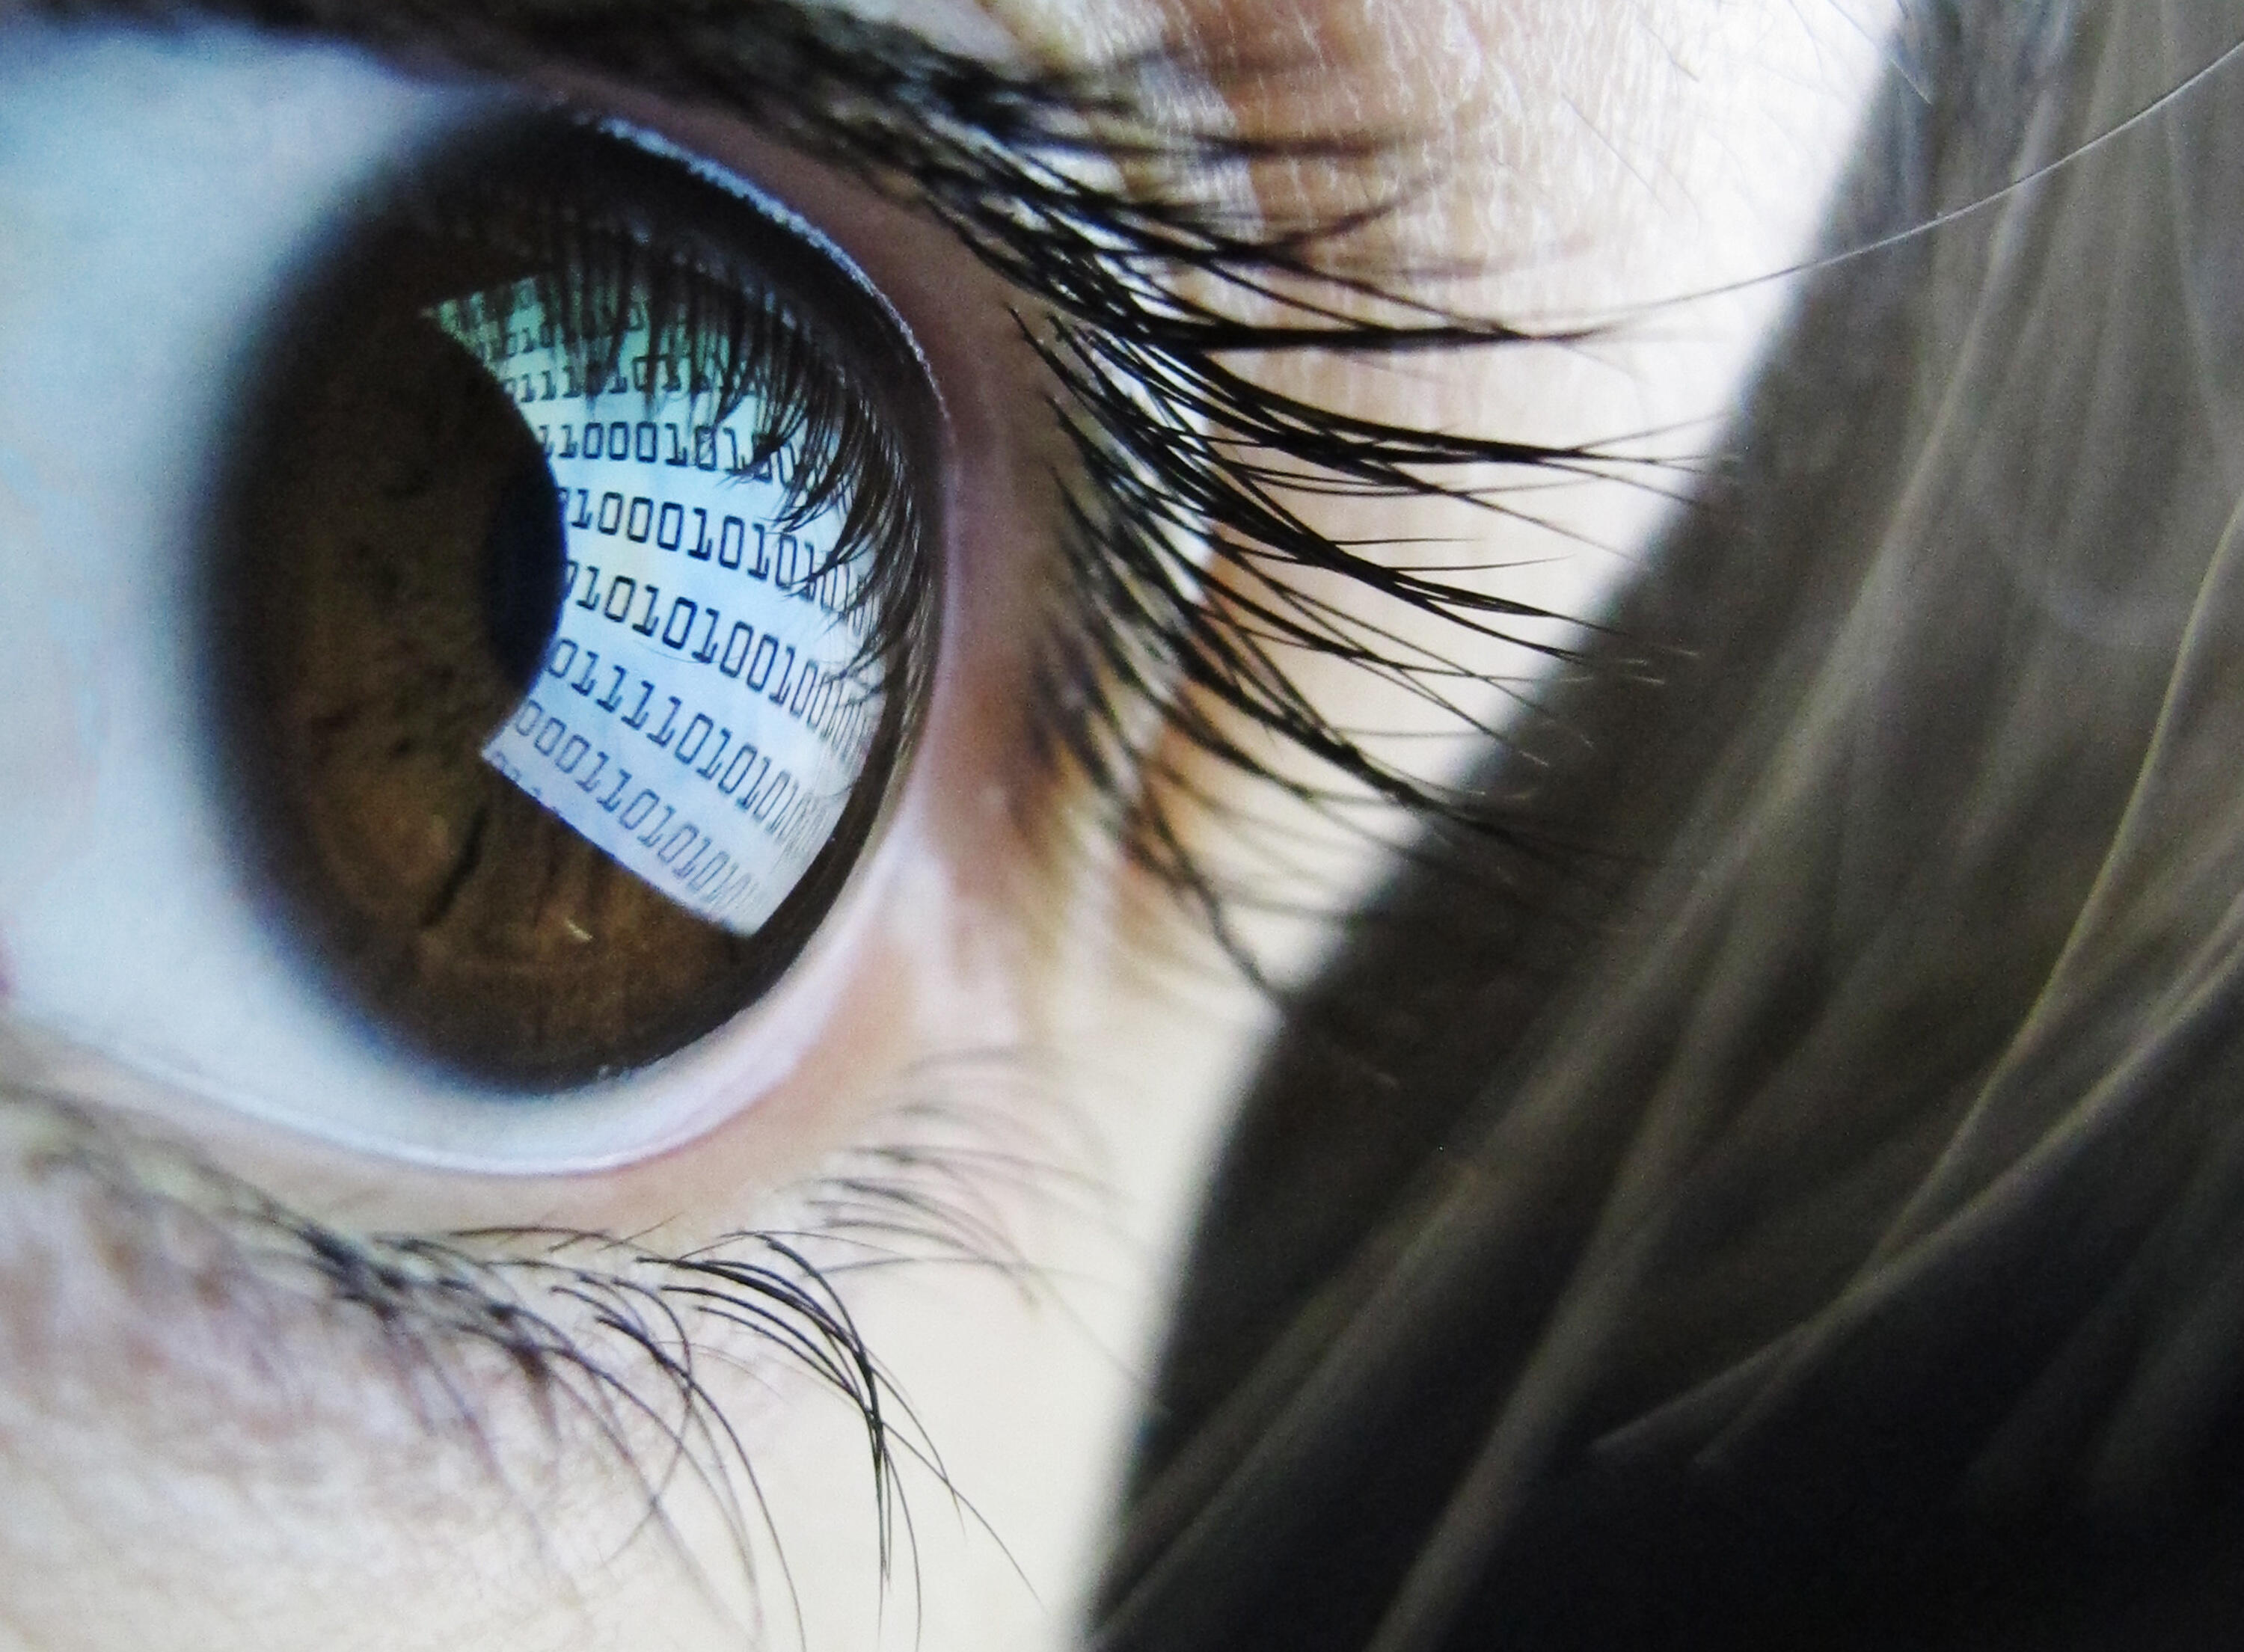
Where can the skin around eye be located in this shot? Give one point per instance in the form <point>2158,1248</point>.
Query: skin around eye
<point>970,1023</point>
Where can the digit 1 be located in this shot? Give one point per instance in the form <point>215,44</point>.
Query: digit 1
<point>638,719</point>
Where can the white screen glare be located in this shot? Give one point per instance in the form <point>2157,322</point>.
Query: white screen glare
<point>704,710</point>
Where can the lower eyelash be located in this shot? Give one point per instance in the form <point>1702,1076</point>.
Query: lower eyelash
<point>599,1336</point>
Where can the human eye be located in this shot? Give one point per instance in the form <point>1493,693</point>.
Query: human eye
<point>554,627</point>
<point>618,1277</point>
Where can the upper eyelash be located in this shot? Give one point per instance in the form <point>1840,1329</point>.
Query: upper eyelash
<point>1174,444</point>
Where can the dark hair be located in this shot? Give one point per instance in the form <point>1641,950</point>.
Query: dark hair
<point>1815,1217</point>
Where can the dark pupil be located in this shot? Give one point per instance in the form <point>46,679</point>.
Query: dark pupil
<point>523,554</point>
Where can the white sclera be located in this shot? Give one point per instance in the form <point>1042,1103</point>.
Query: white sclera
<point>705,708</point>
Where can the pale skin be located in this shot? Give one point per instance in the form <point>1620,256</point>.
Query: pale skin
<point>250,1472</point>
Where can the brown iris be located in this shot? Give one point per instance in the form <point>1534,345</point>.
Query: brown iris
<point>391,569</point>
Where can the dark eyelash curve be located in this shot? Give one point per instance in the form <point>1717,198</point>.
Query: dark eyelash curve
<point>1176,445</point>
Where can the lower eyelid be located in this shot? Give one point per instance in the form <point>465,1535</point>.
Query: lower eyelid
<point>170,1327</point>
<point>173,1346</point>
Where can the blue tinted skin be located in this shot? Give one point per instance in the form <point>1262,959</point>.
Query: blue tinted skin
<point>203,1452</point>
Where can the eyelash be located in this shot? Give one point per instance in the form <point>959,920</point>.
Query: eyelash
<point>597,1330</point>
<point>1174,445</point>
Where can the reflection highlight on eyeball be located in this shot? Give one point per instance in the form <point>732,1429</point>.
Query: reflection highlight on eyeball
<point>555,620</point>
<point>692,623</point>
